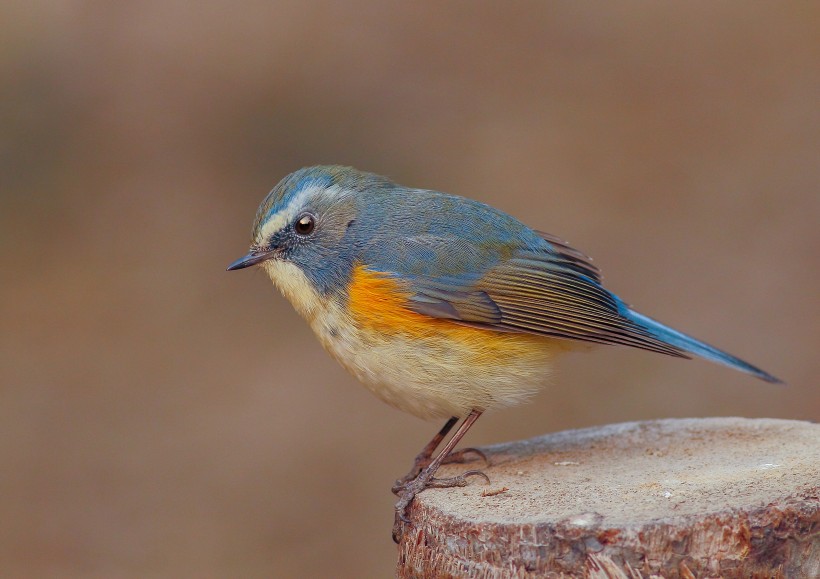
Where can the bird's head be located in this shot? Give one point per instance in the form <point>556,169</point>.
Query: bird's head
<point>311,220</point>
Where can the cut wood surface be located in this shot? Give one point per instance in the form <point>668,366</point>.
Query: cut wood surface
<point>717,497</point>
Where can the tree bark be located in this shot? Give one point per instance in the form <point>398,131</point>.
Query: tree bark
<point>718,497</point>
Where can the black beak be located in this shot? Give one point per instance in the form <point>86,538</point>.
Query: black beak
<point>252,258</point>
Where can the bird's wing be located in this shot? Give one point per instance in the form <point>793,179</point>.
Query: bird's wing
<point>571,256</point>
<point>551,291</point>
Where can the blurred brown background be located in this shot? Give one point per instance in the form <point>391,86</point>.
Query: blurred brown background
<point>160,417</point>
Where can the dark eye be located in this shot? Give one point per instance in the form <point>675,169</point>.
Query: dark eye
<point>305,224</point>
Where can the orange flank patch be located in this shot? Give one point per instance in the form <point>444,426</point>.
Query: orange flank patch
<point>377,302</point>
<point>377,306</point>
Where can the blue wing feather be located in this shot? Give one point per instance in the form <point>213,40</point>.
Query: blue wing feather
<point>489,270</point>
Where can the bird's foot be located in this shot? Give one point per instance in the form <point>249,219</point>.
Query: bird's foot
<point>425,480</point>
<point>424,459</point>
<point>459,456</point>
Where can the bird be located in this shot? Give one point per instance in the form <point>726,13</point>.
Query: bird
<point>442,306</point>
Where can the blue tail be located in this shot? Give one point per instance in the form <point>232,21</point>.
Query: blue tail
<point>696,347</point>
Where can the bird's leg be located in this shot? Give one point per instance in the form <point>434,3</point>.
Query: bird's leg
<point>425,478</point>
<point>426,456</point>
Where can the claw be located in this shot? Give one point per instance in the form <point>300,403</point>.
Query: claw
<point>455,457</point>
<point>397,528</point>
<point>424,458</point>
<point>426,480</point>
<point>458,456</point>
<point>455,481</point>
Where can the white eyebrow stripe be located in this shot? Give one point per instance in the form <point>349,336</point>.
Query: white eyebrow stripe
<point>284,216</point>
<point>272,225</point>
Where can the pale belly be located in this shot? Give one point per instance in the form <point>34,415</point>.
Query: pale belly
<point>436,377</point>
<point>439,373</point>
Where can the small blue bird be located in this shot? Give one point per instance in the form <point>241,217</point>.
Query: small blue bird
<point>440,305</point>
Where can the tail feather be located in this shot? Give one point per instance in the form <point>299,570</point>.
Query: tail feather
<point>690,345</point>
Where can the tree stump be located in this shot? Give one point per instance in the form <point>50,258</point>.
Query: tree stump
<point>717,497</point>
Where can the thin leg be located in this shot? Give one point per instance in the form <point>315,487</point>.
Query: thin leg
<point>425,456</point>
<point>425,478</point>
